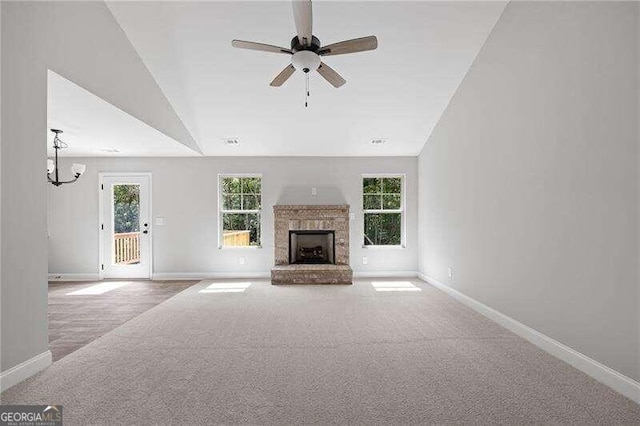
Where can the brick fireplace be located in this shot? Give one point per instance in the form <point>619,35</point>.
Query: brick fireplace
<point>311,244</point>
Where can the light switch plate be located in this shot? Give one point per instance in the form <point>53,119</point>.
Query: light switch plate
<point>159,221</point>
<point>352,216</point>
<point>450,272</point>
<point>314,191</point>
<point>242,261</point>
<point>365,260</point>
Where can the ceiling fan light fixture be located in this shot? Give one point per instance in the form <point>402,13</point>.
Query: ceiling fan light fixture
<point>305,61</point>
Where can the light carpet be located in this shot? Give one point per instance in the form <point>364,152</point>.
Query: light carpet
<point>318,354</point>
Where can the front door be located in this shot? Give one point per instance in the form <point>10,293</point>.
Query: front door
<point>126,226</point>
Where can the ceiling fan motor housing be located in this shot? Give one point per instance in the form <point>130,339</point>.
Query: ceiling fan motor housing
<point>305,61</point>
<point>297,46</point>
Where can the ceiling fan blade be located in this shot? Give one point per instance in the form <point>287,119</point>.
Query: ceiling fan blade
<point>283,76</point>
<point>241,44</point>
<point>330,75</point>
<point>350,46</point>
<point>303,16</point>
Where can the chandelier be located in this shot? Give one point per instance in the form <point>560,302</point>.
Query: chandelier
<point>52,165</point>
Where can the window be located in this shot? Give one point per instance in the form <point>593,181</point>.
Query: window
<point>383,205</point>
<point>240,207</point>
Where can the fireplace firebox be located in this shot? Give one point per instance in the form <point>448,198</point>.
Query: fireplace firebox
<point>312,247</point>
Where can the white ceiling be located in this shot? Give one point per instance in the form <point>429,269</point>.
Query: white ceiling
<point>397,92</point>
<point>95,128</point>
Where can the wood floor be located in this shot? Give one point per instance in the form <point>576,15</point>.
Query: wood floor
<point>76,320</point>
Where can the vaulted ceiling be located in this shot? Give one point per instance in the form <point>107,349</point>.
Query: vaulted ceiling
<point>397,92</point>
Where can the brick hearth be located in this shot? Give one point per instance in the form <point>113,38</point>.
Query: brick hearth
<point>311,218</point>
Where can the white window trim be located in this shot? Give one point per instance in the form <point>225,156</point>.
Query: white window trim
<point>402,210</point>
<point>221,212</point>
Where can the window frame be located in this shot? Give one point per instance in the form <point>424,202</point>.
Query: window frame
<point>401,210</point>
<point>222,212</point>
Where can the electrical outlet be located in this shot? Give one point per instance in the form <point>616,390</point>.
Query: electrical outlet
<point>365,260</point>
<point>314,191</point>
<point>450,272</point>
<point>242,261</point>
<point>352,216</point>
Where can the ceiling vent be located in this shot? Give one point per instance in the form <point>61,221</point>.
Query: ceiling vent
<point>232,141</point>
<point>379,141</point>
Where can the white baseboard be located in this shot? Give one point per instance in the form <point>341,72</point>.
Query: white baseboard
<point>608,376</point>
<point>24,370</point>
<point>74,277</point>
<point>385,274</point>
<point>165,276</point>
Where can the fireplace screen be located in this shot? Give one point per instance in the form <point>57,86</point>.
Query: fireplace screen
<point>312,247</point>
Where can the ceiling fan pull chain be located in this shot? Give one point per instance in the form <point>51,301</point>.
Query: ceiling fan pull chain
<point>306,93</point>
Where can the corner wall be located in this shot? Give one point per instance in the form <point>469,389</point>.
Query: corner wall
<point>0,184</point>
<point>529,183</point>
<point>638,174</point>
<point>185,195</point>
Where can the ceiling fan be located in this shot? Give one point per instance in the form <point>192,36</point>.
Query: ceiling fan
<point>306,49</point>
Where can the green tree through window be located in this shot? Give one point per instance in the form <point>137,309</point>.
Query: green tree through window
<point>383,210</point>
<point>126,208</point>
<point>241,205</point>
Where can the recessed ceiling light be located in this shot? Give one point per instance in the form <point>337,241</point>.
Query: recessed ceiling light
<point>379,141</point>
<point>232,141</point>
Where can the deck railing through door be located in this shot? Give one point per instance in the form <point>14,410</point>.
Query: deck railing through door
<point>127,248</point>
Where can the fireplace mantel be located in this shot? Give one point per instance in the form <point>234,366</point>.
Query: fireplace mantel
<point>311,218</point>
<point>282,207</point>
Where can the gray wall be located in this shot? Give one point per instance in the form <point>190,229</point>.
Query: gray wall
<point>24,251</point>
<point>529,183</point>
<point>185,195</point>
<point>638,176</point>
<point>80,41</point>
<point>0,185</point>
